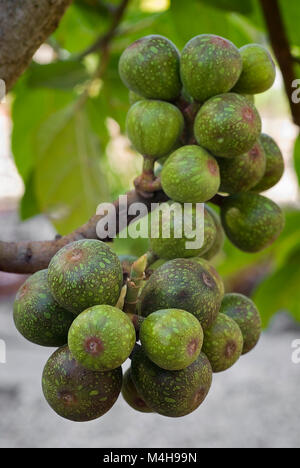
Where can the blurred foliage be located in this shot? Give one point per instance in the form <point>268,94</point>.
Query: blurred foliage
<point>61,112</point>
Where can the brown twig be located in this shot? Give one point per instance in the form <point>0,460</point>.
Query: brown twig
<point>29,257</point>
<point>282,50</point>
<point>102,41</point>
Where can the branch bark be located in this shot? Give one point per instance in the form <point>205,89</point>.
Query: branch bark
<point>282,50</point>
<point>24,27</point>
<point>29,257</point>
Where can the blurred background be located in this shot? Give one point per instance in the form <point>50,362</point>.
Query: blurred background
<point>64,150</point>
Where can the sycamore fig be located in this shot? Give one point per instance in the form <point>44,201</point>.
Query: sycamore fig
<point>131,395</point>
<point>85,273</point>
<point>183,284</point>
<point>154,127</point>
<point>211,269</point>
<point>37,316</point>
<point>243,172</point>
<point>190,175</point>
<point>220,236</point>
<point>76,393</point>
<point>178,232</point>
<point>209,65</point>
<point>101,338</point>
<point>150,68</point>
<point>171,393</point>
<point>223,343</point>
<point>259,70</point>
<point>227,125</point>
<point>252,222</point>
<point>244,312</point>
<point>171,338</point>
<point>275,164</point>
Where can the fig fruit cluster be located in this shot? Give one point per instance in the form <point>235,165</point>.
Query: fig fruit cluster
<point>193,113</point>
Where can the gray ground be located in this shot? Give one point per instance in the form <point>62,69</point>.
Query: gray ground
<point>255,404</point>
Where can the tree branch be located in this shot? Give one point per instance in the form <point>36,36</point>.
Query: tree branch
<point>24,27</point>
<point>102,41</point>
<point>29,257</point>
<point>282,50</point>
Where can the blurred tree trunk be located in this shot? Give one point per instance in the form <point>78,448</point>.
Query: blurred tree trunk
<point>24,26</point>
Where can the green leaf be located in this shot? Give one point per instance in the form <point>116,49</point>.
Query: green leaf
<point>30,109</point>
<point>280,291</point>
<point>194,17</point>
<point>244,6</point>
<point>29,204</point>
<point>58,75</point>
<point>80,27</point>
<point>291,16</point>
<point>297,157</point>
<point>69,179</point>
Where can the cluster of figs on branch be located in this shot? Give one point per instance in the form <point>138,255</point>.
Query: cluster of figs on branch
<point>193,119</point>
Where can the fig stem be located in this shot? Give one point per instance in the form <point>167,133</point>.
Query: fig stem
<point>134,284</point>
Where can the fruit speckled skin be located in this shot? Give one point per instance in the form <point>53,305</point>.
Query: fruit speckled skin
<point>175,247</point>
<point>171,338</point>
<point>209,65</point>
<point>223,343</point>
<point>211,269</point>
<point>190,175</point>
<point>244,312</point>
<point>85,273</point>
<point>37,316</point>
<point>243,172</point>
<point>101,338</point>
<point>259,70</point>
<point>131,395</point>
<point>150,68</point>
<point>252,222</point>
<point>274,167</point>
<point>220,236</point>
<point>171,393</point>
<point>154,127</point>
<point>76,393</point>
<point>227,125</point>
<point>182,284</point>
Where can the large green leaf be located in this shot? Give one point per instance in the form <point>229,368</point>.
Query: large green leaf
<point>281,291</point>
<point>291,14</point>
<point>194,17</point>
<point>69,179</point>
<point>31,108</point>
<point>244,6</point>
<point>57,75</point>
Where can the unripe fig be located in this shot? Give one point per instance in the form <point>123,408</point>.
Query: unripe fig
<point>259,70</point>
<point>209,65</point>
<point>275,164</point>
<point>154,127</point>
<point>184,284</point>
<point>150,68</point>
<point>37,316</point>
<point>131,395</point>
<point>171,338</point>
<point>85,273</point>
<point>244,312</point>
<point>190,175</point>
<point>101,338</point>
<point>171,393</point>
<point>243,172</point>
<point>220,235</point>
<point>252,222</point>
<point>223,343</point>
<point>76,393</point>
<point>227,125</point>
<point>173,243</point>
